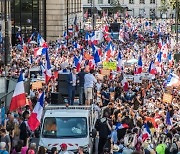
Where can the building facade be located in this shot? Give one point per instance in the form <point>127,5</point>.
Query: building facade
<point>48,17</point>
<point>135,8</point>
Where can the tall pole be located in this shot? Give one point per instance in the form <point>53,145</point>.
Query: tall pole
<point>177,14</point>
<point>67,7</point>
<point>93,15</point>
<point>6,46</point>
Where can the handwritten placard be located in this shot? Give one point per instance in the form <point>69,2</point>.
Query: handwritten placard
<point>167,98</point>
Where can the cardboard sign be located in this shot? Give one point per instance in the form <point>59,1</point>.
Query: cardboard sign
<point>137,78</point>
<point>129,77</point>
<point>105,72</point>
<point>167,98</point>
<point>110,65</point>
<point>100,77</point>
<point>37,85</point>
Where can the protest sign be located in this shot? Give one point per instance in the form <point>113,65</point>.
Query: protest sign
<point>37,85</point>
<point>167,98</point>
<point>105,72</point>
<point>137,78</point>
<point>110,65</point>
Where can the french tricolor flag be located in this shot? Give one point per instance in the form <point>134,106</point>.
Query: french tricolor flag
<point>93,39</point>
<point>41,42</point>
<point>125,83</point>
<point>120,65</point>
<point>121,126</point>
<point>109,50</point>
<point>78,67</point>
<point>77,46</point>
<point>172,80</point>
<point>139,67</point>
<point>121,35</point>
<point>39,51</point>
<point>48,73</point>
<point>160,43</point>
<point>170,59</point>
<point>158,59</point>
<point>31,37</point>
<point>146,132</point>
<point>35,117</point>
<point>96,57</point>
<point>19,98</point>
<point>152,68</point>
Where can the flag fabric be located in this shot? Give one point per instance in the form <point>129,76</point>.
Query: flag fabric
<point>119,60</point>
<point>121,35</point>
<point>96,57</point>
<point>160,43</point>
<point>41,42</point>
<point>75,61</point>
<point>168,119</point>
<point>152,68</point>
<point>93,39</point>
<point>31,37</point>
<point>86,14</point>
<point>158,59</point>
<point>19,98</point>
<point>24,46</point>
<point>170,59</point>
<point>139,67</point>
<point>35,118</point>
<point>48,73</point>
<point>172,80</point>
<point>124,83</point>
<point>109,50</point>
<point>18,35</point>
<point>65,36</point>
<point>146,133</point>
<point>121,126</point>
<point>77,46</point>
<point>39,51</point>
<point>78,67</point>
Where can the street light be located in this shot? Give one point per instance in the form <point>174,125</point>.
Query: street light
<point>177,14</point>
<point>67,7</point>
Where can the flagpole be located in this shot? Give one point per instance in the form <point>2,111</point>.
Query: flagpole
<point>67,7</point>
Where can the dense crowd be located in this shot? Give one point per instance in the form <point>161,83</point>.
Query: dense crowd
<point>133,119</point>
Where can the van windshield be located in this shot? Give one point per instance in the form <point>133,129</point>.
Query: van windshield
<point>65,127</point>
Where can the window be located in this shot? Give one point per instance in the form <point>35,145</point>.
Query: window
<point>152,13</point>
<point>141,12</point>
<point>89,1</point>
<point>100,1</point>
<point>152,1</point>
<point>109,1</point>
<point>141,1</point>
<point>131,1</point>
<point>65,127</point>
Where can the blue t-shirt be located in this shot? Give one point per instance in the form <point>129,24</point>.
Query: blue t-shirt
<point>3,152</point>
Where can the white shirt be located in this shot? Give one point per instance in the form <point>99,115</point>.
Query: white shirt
<point>73,79</point>
<point>89,80</point>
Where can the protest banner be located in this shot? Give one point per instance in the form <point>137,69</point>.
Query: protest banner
<point>110,65</point>
<point>167,98</point>
<point>137,78</point>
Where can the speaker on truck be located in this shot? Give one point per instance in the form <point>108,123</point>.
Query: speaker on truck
<point>56,98</point>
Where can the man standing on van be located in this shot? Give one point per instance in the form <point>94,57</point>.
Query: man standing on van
<point>72,79</point>
<point>89,82</point>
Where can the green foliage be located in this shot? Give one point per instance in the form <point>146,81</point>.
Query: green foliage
<point>116,6</point>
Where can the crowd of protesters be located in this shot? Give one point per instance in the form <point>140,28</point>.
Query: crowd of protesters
<point>132,120</point>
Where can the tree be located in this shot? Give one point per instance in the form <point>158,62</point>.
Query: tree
<point>164,6</point>
<point>116,6</point>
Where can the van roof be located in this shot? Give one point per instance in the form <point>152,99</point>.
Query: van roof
<point>66,113</point>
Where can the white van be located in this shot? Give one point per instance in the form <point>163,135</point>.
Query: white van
<point>73,125</point>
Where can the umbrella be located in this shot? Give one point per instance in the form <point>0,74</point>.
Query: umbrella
<point>132,61</point>
<point>33,42</point>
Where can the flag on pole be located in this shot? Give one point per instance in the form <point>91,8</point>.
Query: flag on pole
<point>48,73</point>
<point>152,68</point>
<point>41,42</point>
<point>19,98</point>
<point>139,67</point>
<point>172,80</point>
<point>35,118</point>
<point>124,83</point>
<point>39,51</point>
<point>120,65</point>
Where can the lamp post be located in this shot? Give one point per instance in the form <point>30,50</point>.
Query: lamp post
<point>177,14</point>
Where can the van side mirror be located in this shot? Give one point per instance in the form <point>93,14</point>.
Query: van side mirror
<point>93,133</point>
